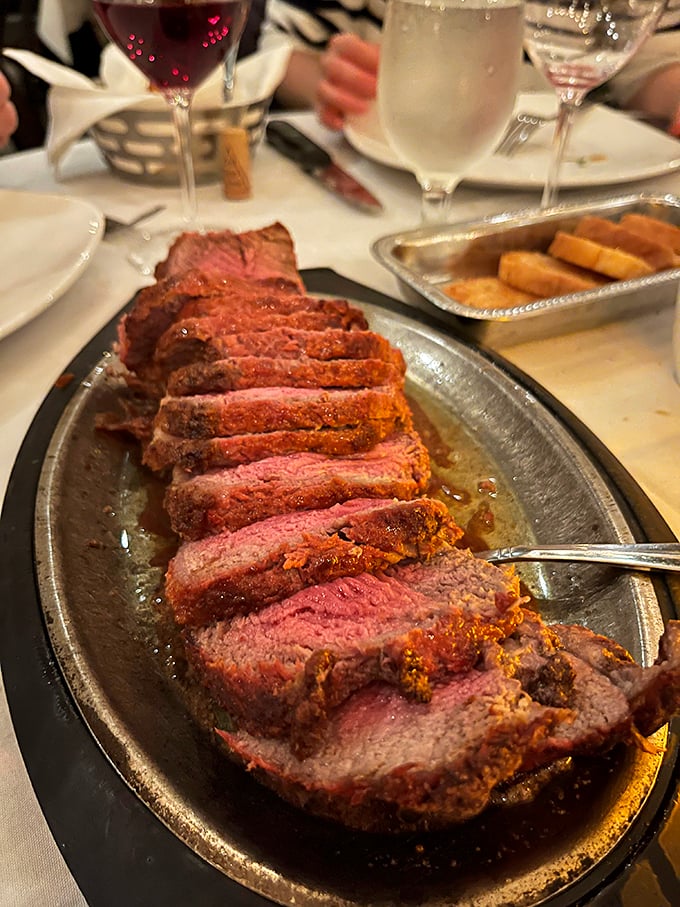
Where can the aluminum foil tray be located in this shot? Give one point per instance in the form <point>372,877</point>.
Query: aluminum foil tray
<point>426,259</point>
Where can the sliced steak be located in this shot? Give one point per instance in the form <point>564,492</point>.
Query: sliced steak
<point>237,572</point>
<point>389,764</point>
<point>337,312</point>
<point>653,693</point>
<point>166,451</point>
<point>194,294</point>
<point>227,499</point>
<point>262,409</point>
<point>265,256</point>
<point>177,349</point>
<point>199,335</point>
<point>610,698</point>
<point>262,371</point>
<point>282,670</point>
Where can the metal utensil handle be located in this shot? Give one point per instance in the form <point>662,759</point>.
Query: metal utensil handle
<point>290,142</point>
<point>654,556</point>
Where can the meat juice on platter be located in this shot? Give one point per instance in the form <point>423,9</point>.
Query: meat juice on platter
<point>211,410</point>
<point>175,44</point>
<point>526,823</point>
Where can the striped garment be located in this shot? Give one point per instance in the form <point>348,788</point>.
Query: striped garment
<point>311,24</point>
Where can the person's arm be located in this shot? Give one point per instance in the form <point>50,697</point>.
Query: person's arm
<point>650,82</point>
<point>337,83</point>
<point>659,96</point>
<point>8,114</point>
<point>300,84</point>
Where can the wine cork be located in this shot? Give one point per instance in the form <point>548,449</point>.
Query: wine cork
<point>235,155</point>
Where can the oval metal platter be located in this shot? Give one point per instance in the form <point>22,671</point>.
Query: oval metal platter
<point>101,548</point>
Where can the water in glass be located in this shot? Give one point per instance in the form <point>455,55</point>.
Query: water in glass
<point>449,72</point>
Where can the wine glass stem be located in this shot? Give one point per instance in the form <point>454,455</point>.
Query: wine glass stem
<point>565,118</point>
<point>180,104</point>
<point>435,204</point>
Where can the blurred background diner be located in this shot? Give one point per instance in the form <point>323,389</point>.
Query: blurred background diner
<point>8,113</point>
<point>66,32</point>
<point>335,64</point>
<point>333,68</point>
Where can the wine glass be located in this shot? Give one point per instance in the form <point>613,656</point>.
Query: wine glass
<point>578,45</point>
<point>176,44</point>
<point>449,71</point>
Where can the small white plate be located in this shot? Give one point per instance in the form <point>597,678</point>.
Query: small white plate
<point>47,242</point>
<point>606,147</point>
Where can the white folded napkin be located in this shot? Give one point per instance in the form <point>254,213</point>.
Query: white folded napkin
<point>75,102</point>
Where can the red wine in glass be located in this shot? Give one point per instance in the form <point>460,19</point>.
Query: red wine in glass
<point>176,44</point>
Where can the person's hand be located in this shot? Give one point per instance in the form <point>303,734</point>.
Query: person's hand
<point>8,114</point>
<point>349,76</point>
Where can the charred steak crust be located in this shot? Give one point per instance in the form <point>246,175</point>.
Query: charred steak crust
<point>227,499</point>
<point>158,305</point>
<point>265,256</point>
<point>282,670</point>
<point>191,344</point>
<point>387,763</point>
<point>234,573</point>
<point>166,451</point>
<point>243,372</point>
<point>378,675</point>
<point>277,409</point>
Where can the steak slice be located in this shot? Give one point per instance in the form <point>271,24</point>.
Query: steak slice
<point>166,451</point>
<point>609,696</point>
<point>176,349</point>
<point>338,312</point>
<point>198,336</point>
<point>269,409</point>
<point>195,294</point>
<point>263,371</point>
<point>282,670</point>
<point>237,572</point>
<point>389,764</point>
<point>653,693</point>
<point>227,499</point>
<point>265,256</point>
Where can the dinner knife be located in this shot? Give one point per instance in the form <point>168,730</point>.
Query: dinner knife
<point>317,163</point>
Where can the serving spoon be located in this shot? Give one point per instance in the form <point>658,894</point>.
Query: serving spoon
<point>654,556</point>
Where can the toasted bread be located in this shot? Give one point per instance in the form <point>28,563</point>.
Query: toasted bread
<point>653,228</point>
<point>592,255</point>
<point>538,273</point>
<point>598,229</point>
<point>487,293</point>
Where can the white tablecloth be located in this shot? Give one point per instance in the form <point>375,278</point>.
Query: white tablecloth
<point>617,378</point>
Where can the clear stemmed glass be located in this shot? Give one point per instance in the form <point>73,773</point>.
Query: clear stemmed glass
<point>449,71</point>
<point>176,44</point>
<point>578,45</point>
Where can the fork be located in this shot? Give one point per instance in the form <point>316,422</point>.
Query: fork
<point>521,128</point>
<point>114,226</point>
<point>660,556</point>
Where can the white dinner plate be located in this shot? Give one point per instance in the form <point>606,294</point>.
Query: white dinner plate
<point>606,147</point>
<point>47,242</point>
